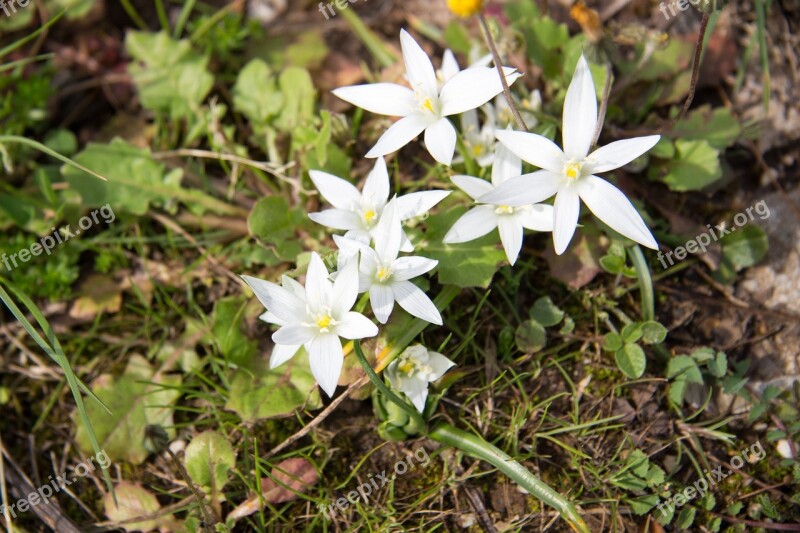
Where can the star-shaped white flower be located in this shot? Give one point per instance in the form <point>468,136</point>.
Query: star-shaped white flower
<point>425,107</point>
<point>509,221</point>
<point>318,320</point>
<point>386,276</point>
<point>570,174</point>
<point>414,369</point>
<point>359,212</point>
<point>262,288</point>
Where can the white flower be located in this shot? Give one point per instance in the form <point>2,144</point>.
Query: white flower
<point>359,212</point>
<point>570,174</point>
<point>318,320</point>
<point>509,221</point>
<point>425,106</point>
<point>387,276</point>
<point>413,369</point>
<point>262,288</point>
<point>480,140</point>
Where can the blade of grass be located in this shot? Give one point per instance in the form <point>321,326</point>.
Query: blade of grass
<point>13,46</point>
<point>761,24</point>
<point>183,18</point>
<point>134,15</point>
<point>373,43</point>
<point>52,153</point>
<point>55,351</point>
<point>162,15</point>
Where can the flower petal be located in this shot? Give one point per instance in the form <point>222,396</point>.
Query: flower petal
<point>619,153</point>
<point>338,192</point>
<point>326,357</point>
<point>417,204</point>
<point>419,68</point>
<point>472,225</point>
<point>388,234</point>
<point>282,353</point>
<point>417,391</point>
<point>537,150</point>
<point>409,267</point>
<point>474,187</point>
<point>566,210</point>
<point>381,298</point>
<point>415,302</point>
<point>610,205</point>
<point>337,219</point>
<point>580,113</point>
<point>511,236</point>
<point>376,187</point>
<point>440,140</point>
<point>526,189</point>
<point>400,134</point>
<point>380,98</point>
<point>354,325</point>
<point>281,302</point>
<point>538,218</point>
<point>318,288</point>
<point>450,65</point>
<point>473,87</point>
<point>345,289</point>
<point>506,165</point>
<point>439,365</point>
<point>294,334</point>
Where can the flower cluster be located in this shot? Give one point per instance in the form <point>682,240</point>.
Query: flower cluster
<point>318,315</point>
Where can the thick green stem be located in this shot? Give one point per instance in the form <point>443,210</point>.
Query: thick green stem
<point>645,282</point>
<point>480,449</point>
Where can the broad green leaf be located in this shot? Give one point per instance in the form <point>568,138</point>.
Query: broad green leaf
<point>273,222</point>
<point>530,336</point>
<point>685,517</point>
<point>136,399</point>
<point>642,504</point>
<point>744,246</point>
<point>631,360</point>
<point>228,324</point>
<point>653,332</point>
<point>145,180</point>
<point>256,94</point>
<point>545,312</point>
<point>683,365</point>
<point>695,166</point>
<point>717,126</point>
<point>299,96</point>
<point>208,458</point>
<point>631,332</point>
<point>612,342</point>
<point>171,77</point>
<point>263,393</point>
<point>719,365</point>
<point>470,264</point>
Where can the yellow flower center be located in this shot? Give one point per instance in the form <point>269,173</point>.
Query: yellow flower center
<point>406,367</point>
<point>477,150</point>
<point>465,8</point>
<point>504,210</point>
<point>369,216</point>
<point>383,273</point>
<point>428,104</point>
<point>572,170</point>
<point>324,322</point>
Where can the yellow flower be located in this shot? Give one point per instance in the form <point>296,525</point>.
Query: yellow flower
<point>465,8</point>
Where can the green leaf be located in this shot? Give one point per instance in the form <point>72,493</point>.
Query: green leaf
<point>685,518</point>
<point>228,330</point>
<point>275,393</point>
<point>545,312</point>
<point>530,336</point>
<point>703,354</point>
<point>145,180</point>
<point>273,222</point>
<point>653,332</point>
<point>744,248</point>
<point>683,365</point>
<point>717,126</point>
<point>256,94</point>
<point>171,77</point>
<point>695,166</point>
<point>631,360</point>
<point>612,342</point>
<point>132,501</point>
<point>642,504</point>
<point>137,399</point>
<point>471,264</point>
<point>208,458</point>
<point>299,96</point>
<point>632,332</point>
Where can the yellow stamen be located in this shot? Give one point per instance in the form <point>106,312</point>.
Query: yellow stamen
<point>370,215</point>
<point>573,170</point>
<point>324,322</point>
<point>465,8</point>
<point>428,104</point>
<point>477,150</point>
<point>384,273</point>
<point>504,210</point>
<point>406,367</point>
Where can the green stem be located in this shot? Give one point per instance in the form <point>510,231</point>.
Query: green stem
<point>52,153</point>
<point>480,449</point>
<point>645,282</point>
<point>381,386</point>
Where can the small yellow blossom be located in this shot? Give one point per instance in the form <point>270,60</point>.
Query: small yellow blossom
<point>465,8</point>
